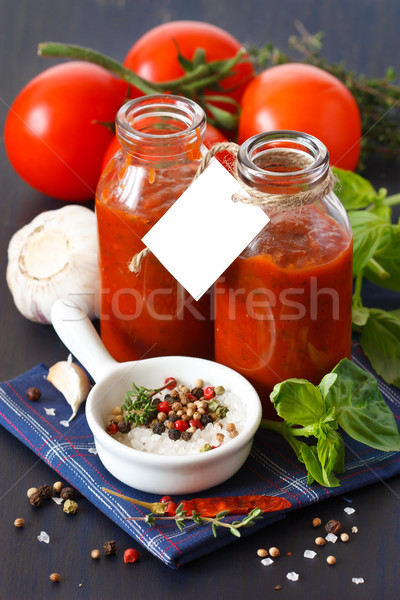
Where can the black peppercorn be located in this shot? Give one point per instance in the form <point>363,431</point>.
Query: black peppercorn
<point>173,418</point>
<point>46,491</point>
<point>124,427</point>
<point>155,401</point>
<point>206,419</point>
<point>158,428</point>
<point>197,392</point>
<point>110,547</point>
<point>36,499</point>
<point>185,436</point>
<point>333,526</point>
<point>174,434</point>
<point>33,394</point>
<point>67,493</point>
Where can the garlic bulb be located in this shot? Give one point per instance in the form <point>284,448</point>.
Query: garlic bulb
<point>71,380</point>
<point>54,256</point>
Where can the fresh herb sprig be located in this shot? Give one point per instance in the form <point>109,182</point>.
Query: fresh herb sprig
<point>349,398</point>
<point>378,98</point>
<point>181,517</point>
<point>376,257</point>
<point>139,405</point>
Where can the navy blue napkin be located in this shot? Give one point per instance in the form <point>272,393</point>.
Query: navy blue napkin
<point>271,468</point>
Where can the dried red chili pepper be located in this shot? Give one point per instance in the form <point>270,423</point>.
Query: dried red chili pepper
<point>210,507</point>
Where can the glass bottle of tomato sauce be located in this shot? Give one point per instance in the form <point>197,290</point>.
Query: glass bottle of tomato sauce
<point>149,313</point>
<point>283,307</point>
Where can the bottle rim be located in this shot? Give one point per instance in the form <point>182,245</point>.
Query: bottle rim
<point>303,143</point>
<point>182,110</point>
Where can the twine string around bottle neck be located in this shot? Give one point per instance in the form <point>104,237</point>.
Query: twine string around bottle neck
<point>282,202</point>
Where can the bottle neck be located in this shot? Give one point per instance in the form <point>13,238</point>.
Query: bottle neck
<point>283,162</point>
<point>161,129</point>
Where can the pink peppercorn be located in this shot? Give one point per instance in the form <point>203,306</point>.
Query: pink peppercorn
<point>131,555</point>
<point>181,425</point>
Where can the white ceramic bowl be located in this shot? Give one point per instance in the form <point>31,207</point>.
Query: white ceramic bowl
<point>159,474</point>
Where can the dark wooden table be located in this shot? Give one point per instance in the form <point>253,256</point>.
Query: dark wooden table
<point>364,33</point>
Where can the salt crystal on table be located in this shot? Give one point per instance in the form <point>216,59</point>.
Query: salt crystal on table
<point>331,537</point>
<point>349,510</point>
<point>309,554</point>
<point>50,411</point>
<point>43,537</point>
<point>267,561</point>
<point>292,576</point>
<point>64,423</point>
<point>58,500</point>
<point>357,580</point>
<point>92,450</point>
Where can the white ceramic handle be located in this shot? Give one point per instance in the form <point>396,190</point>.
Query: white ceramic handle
<point>77,332</point>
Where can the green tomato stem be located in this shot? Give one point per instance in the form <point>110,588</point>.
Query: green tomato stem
<point>115,67</point>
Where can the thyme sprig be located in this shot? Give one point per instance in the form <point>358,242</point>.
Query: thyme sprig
<point>378,98</point>
<point>181,517</point>
<point>139,405</point>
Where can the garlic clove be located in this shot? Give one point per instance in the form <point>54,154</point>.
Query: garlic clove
<point>72,381</point>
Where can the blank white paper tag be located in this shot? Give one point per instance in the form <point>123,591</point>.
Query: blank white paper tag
<point>204,230</point>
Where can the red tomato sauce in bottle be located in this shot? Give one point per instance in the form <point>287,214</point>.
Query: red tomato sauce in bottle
<point>149,313</point>
<point>283,307</point>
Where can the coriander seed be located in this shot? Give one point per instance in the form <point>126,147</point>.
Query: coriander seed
<point>55,577</point>
<point>262,552</point>
<point>320,541</point>
<point>58,486</point>
<point>274,552</point>
<point>344,537</point>
<point>331,560</point>
<point>316,522</point>
<point>31,491</point>
<point>20,522</point>
<point>95,554</point>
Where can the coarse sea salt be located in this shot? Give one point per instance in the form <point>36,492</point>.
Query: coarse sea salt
<point>309,554</point>
<point>143,439</point>
<point>331,537</point>
<point>43,537</point>
<point>357,580</point>
<point>292,576</point>
<point>349,510</point>
<point>50,411</point>
<point>267,561</point>
<point>64,423</point>
<point>57,500</point>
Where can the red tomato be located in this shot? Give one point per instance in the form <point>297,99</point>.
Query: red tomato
<point>308,99</point>
<point>213,136</point>
<point>154,55</point>
<point>51,135</point>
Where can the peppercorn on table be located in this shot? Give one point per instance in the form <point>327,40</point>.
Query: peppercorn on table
<point>53,551</point>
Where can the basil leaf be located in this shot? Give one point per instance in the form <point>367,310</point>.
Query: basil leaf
<point>380,340</point>
<point>360,408</point>
<point>330,450</point>
<point>309,456</point>
<point>326,383</point>
<point>353,190</point>
<point>370,233</point>
<point>388,258</point>
<point>298,401</point>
